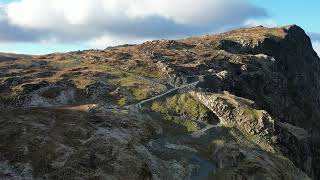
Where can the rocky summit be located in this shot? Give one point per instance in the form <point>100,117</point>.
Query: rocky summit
<point>241,105</point>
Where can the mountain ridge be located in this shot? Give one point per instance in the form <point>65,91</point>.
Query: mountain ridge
<point>237,105</point>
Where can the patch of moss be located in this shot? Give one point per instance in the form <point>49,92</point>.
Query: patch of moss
<point>184,104</point>
<point>172,103</point>
<point>141,93</point>
<point>191,126</point>
<point>66,62</point>
<point>139,88</point>
<point>215,44</point>
<point>159,107</point>
<point>181,105</point>
<point>151,73</point>
<point>218,142</point>
<point>122,101</point>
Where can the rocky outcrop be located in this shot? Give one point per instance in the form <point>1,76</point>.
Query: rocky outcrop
<point>270,135</point>
<point>61,144</point>
<point>237,162</point>
<point>293,77</point>
<point>295,143</point>
<point>240,112</point>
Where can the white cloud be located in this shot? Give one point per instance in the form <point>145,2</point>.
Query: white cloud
<point>315,38</point>
<point>115,21</point>
<point>46,14</point>
<point>265,22</point>
<point>194,12</point>
<point>316,46</point>
<point>107,40</point>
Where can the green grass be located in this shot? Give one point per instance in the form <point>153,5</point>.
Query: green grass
<point>66,62</point>
<point>139,88</point>
<point>159,107</point>
<point>184,104</point>
<point>122,101</point>
<point>189,125</point>
<point>140,94</point>
<point>181,105</point>
<point>182,110</point>
<point>143,71</point>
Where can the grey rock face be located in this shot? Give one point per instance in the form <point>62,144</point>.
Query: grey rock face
<point>59,144</point>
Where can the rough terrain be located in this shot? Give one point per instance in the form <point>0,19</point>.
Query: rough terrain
<point>244,104</point>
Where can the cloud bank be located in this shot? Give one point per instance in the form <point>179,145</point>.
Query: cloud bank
<point>315,41</point>
<point>119,21</point>
<point>316,46</point>
<point>265,22</point>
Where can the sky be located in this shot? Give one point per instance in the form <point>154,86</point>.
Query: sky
<point>47,26</point>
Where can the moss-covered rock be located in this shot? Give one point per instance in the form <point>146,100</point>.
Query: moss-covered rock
<point>183,105</point>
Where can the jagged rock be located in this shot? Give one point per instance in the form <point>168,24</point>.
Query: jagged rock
<point>275,136</point>
<point>98,90</point>
<point>295,144</point>
<point>238,162</point>
<point>58,144</point>
<point>27,88</point>
<point>240,112</point>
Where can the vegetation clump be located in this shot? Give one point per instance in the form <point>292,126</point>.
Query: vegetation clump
<point>186,105</point>
<point>122,101</point>
<point>159,107</point>
<point>181,105</point>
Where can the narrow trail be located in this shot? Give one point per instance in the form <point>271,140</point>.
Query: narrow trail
<point>81,107</point>
<point>139,104</point>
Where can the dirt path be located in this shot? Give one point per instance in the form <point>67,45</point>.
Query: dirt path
<point>83,107</point>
